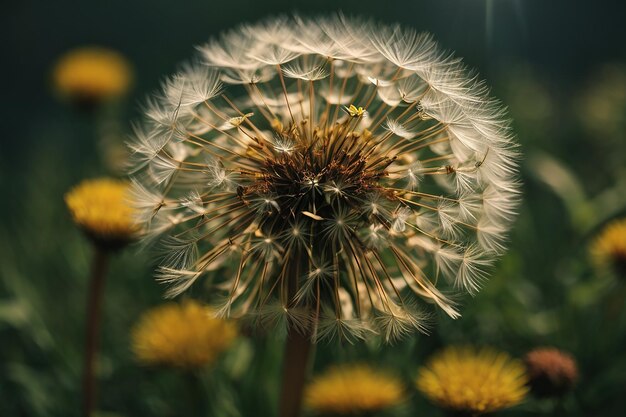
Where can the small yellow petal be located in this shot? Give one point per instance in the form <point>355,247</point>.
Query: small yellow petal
<point>354,111</point>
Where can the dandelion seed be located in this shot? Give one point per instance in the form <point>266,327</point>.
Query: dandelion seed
<point>354,111</point>
<point>400,218</point>
<point>236,121</point>
<point>283,144</point>
<point>193,85</point>
<point>289,175</point>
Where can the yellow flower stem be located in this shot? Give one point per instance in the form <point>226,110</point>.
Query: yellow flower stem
<point>196,391</point>
<point>457,413</point>
<point>298,349</point>
<point>92,328</point>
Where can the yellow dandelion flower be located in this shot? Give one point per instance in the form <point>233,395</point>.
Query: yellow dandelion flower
<point>100,208</point>
<point>181,335</point>
<point>353,389</point>
<point>609,248</point>
<point>90,75</point>
<point>472,380</point>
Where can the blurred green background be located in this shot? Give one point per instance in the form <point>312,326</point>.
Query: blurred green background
<point>559,65</point>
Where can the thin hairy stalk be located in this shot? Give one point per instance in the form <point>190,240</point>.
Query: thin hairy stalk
<point>246,121</point>
<point>212,126</point>
<point>405,145</point>
<point>206,142</point>
<point>311,109</point>
<point>282,83</point>
<point>325,115</point>
<point>301,98</point>
<point>255,89</point>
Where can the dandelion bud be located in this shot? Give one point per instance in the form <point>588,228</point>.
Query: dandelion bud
<point>552,372</point>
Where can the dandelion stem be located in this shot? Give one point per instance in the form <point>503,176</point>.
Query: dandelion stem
<point>297,349</point>
<point>92,328</point>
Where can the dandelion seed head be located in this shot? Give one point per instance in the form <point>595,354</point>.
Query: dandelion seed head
<point>356,148</point>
